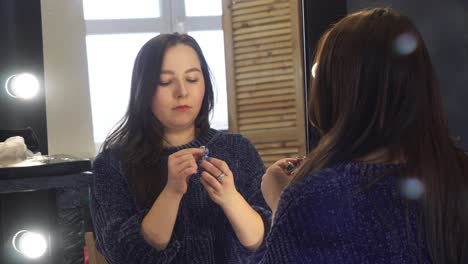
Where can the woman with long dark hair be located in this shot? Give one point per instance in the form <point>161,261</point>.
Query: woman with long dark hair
<point>385,184</point>
<point>159,194</point>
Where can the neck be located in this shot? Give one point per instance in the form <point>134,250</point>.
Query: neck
<point>173,138</point>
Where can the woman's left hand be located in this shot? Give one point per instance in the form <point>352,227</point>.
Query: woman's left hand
<point>274,181</point>
<point>223,191</point>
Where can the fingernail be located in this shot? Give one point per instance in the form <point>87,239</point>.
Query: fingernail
<point>208,158</point>
<point>206,152</point>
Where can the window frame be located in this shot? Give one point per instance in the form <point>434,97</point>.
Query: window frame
<point>172,19</point>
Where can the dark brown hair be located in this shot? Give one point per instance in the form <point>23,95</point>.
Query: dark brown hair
<point>138,139</point>
<point>375,89</point>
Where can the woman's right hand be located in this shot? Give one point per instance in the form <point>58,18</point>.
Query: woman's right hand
<point>275,179</point>
<point>181,165</point>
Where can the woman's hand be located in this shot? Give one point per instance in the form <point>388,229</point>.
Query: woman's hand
<point>245,221</point>
<point>158,224</point>
<point>221,190</point>
<point>274,181</point>
<point>181,165</point>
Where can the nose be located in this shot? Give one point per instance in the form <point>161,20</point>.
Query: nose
<point>181,90</point>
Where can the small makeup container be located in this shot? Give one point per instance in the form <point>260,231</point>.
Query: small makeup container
<point>292,165</point>
<point>206,152</point>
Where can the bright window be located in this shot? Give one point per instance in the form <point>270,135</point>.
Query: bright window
<point>214,54</point>
<point>120,9</point>
<point>110,63</point>
<point>203,7</point>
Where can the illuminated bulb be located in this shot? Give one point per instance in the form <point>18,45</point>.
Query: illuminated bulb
<point>314,70</point>
<point>23,85</point>
<point>31,244</point>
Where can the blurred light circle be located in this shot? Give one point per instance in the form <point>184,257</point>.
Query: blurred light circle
<point>412,188</point>
<point>24,85</point>
<point>31,244</point>
<point>405,44</point>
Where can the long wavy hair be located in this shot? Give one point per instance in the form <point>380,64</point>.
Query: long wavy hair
<point>138,138</point>
<point>375,88</point>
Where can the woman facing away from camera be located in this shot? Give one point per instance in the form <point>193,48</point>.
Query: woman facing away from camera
<point>168,188</point>
<point>385,184</point>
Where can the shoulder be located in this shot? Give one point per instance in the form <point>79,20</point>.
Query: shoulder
<point>234,139</point>
<point>236,144</point>
<point>105,157</point>
<point>105,162</point>
<point>323,189</point>
<point>108,175</point>
<point>319,182</point>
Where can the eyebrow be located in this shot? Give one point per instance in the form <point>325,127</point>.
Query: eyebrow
<point>194,69</point>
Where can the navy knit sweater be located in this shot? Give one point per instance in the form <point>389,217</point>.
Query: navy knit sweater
<point>349,213</point>
<point>202,233</point>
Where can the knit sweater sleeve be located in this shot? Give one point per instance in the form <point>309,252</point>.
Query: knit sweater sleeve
<point>250,171</point>
<point>117,221</point>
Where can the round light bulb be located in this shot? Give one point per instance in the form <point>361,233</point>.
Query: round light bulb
<point>31,244</point>
<point>24,85</point>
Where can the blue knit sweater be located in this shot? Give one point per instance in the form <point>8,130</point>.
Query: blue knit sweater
<point>202,233</point>
<point>334,216</point>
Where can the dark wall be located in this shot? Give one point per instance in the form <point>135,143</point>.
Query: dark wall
<point>444,26</point>
<point>317,16</point>
<point>21,51</point>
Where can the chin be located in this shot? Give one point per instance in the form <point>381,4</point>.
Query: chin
<point>182,125</point>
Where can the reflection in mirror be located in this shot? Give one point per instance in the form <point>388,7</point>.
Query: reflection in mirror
<point>259,72</point>
<point>112,44</point>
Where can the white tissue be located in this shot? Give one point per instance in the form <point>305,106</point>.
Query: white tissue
<point>13,150</point>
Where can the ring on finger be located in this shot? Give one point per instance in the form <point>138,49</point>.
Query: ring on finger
<point>220,177</point>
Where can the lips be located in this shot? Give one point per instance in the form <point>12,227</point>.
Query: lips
<point>182,108</point>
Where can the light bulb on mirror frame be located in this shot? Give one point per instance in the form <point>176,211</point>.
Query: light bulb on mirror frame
<point>23,85</point>
<point>32,245</point>
<point>314,70</point>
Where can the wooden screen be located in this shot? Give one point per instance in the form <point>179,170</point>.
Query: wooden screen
<point>265,75</point>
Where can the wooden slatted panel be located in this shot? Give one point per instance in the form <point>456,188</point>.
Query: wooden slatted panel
<point>274,39</point>
<point>240,10</point>
<point>266,60</point>
<point>264,71</point>
<point>263,54</point>
<point>260,93</point>
<point>257,14</point>
<point>277,18</point>
<point>266,113</point>
<point>273,151</point>
<point>264,47</point>
<point>267,86</point>
<point>263,80</point>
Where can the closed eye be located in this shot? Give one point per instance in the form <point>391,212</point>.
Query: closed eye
<point>161,83</point>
